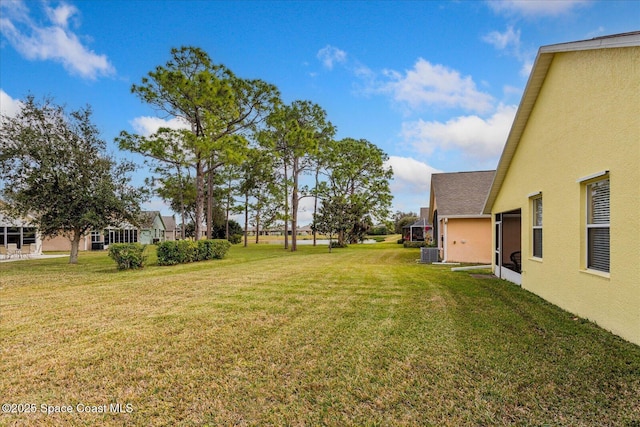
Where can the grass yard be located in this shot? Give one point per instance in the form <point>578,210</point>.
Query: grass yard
<point>361,336</point>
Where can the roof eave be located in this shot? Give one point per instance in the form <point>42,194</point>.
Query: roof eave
<point>532,90</point>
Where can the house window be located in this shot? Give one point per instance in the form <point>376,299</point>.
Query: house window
<point>537,226</point>
<point>598,215</point>
<point>29,236</point>
<point>95,236</point>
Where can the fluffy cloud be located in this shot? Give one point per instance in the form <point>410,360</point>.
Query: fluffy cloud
<point>509,42</point>
<point>509,39</point>
<point>435,85</point>
<point>535,8</point>
<point>9,106</point>
<point>329,55</point>
<point>473,135</point>
<point>146,125</point>
<point>53,42</point>
<point>409,173</point>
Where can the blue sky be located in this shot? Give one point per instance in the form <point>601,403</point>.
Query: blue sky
<point>434,84</point>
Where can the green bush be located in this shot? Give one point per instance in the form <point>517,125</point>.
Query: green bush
<point>187,251</point>
<point>184,251</point>
<point>167,253</point>
<point>219,248</point>
<point>128,255</point>
<point>400,241</point>
<point>409,244</point>
<point>235,238</point>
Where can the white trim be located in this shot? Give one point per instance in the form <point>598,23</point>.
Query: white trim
<point>592,176</point>
<point>585,187</point>
<point>532,195</point>
<point>614,41</point>
<point>511,276</point>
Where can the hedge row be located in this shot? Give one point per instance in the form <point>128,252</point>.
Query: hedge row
<point>184,251</point>
<point>408,244</point>
<point>128,255</point>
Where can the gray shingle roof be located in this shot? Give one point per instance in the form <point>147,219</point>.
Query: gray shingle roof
<point>461,193</point>
<point>169,222</point>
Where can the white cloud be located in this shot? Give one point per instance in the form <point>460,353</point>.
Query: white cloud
<point>501,41</point>
<point>435,85</point>
<point>509,42</point>
<point>535,8</point>
<point>412,174</point>
<point>53,42</point>
<point>9,106</point>
<point>147,126</point>
<point>61,15</point>
<point>329,55</point>
<point>527,66</point>
<point>473,135</point>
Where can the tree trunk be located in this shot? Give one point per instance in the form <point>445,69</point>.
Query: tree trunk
<point>294,206</point>
<point>257,227</point>
<point>199,198</point>
<point>210,203</point>
<point>315,206</point>
<point>286,209</point>
<point>246,220</point>
<point>75,245</point>
<point>228,208</point>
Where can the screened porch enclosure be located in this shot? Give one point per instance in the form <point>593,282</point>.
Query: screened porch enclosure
<point>18,236</point>
<point>508,246</point>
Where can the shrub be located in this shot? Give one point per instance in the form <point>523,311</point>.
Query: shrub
<point>409,244</point>
<point>219,248</point>
<point>128,255</point>
<point>400,241</point>
<point>187,251</point>
<point>235,238</point>
<point>336,244</point>
<point>379,231</point>
<point>184,251</point>
<point>167,253</point>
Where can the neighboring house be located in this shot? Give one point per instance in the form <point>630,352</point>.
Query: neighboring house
<point>151,230</point>
<point>171,232</point>
<point>460,228</point>
<point>566,196</point>
<point>17,233</point>
<point>152,227</point>
<point>419,231</point>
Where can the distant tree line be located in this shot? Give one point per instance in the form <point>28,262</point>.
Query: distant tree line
<point>242,150</point>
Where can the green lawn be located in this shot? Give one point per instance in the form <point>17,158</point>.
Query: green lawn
<point>361,336</point>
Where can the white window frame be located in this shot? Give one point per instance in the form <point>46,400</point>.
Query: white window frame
<point>535,198</point>
<point>596,225</point>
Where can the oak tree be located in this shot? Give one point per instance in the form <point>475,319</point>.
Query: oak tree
<point>55,169</point>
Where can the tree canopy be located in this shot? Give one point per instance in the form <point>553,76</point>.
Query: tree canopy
<point>55,169</point>
<point>217,107</point>
<point>358,183</point>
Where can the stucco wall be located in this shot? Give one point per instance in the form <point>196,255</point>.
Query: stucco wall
<point>586,120</point>
<point>469,240</point>
<point>60,243</point>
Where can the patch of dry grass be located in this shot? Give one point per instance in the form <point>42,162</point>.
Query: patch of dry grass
<point>361,336</point>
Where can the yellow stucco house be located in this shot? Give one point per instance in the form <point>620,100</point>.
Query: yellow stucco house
<point>565,200</point>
